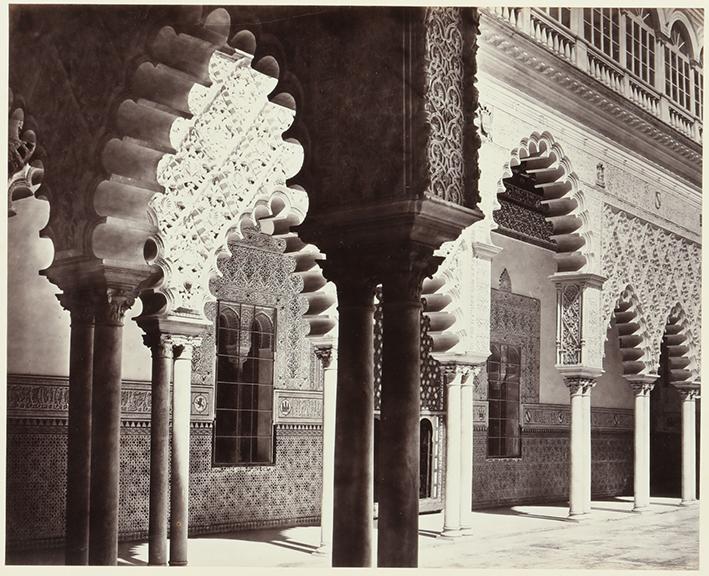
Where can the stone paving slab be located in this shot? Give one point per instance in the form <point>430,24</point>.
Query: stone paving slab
<point>665,538</point>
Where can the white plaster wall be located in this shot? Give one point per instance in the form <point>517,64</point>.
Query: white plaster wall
<point>37,326</point>
<point>611,390</point>
<point>529,268</point>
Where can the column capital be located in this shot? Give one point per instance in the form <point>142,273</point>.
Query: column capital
<point>112,304</point>
<point>184,345</point>
<point>689,392</point>
<point>160,344</point>
<point>460,373</point>
<point>402,271</point>
<point>641,383</point>
<point>583,279</point>
<point>354,278</point>
<point>580,380</point>
<point>79,304</point>
<point>324,353</point>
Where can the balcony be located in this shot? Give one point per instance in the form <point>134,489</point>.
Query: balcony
<point>568,43</point>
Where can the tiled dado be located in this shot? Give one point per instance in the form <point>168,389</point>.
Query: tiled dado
<point>541,474</point>
<point>285,493</point>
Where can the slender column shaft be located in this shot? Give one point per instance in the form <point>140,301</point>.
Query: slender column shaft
<point>179,489</point>
<point>397,544</point>
<point>452,503</point>
<point>79,435</point>
<point>105,430</point>
<point>161,347</point>
<point>466,460</point>
<point>641,480</point>
<point>689,414</point>
<point>578,467</point>
<point>354,427</point>
<point>588,450</point>
<point>329,360</point>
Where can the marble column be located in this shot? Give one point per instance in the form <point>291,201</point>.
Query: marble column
<point>452,505</point>
<point>579,447</point>
<point>180,464</point>
<point>588,447</point>
<point>328,358</point>
<point>78,475</point>
<point>398,481</point>
<point>354,425</point>
<point>466,445</point>
<point>642,384</point>
<point>105,426</point>
<point>161,346</point>
<point>689,453</point>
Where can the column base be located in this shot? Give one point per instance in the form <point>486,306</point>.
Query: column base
<point>157,563</point>
<point>641,509</point>
<point>689,502</point>
<point>322,550</point>
<point>466,531</point>
<point>178,562</point>
<point>581,517</point>
<point>450,533</point>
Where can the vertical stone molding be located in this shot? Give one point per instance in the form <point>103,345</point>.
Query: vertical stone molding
<point>111,306</point>
<point>179,489</point>
<point>398,480</point>
<point>81,309</point>
<point>642,385</point>
<point>353,495</point>
<point>579,382</point>
<point>161,347</point>
<point>327,354</point>
<point>689,392</point>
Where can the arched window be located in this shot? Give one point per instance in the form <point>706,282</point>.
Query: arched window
<point>243,428</point>
<point>640,44</point>
<point>602,29</point>
<point>503,376</point>
<point>561,15</point>
<point>426,459</point>
<point>677,66</point>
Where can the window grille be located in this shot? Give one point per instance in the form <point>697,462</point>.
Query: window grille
<point>243,428</point>
<point>602,30</point>
<point>503,375</point>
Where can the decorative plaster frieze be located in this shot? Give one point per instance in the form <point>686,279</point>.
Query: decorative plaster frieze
<point>537,417</point>
<point>297,406</point>
<point>663,268</point>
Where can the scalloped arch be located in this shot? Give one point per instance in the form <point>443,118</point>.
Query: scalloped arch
<point>562,201</point>
<point>634,337</point>
<point>681,347</point>
<point>201,153</point>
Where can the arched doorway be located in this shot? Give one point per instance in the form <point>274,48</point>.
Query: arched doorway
<point>665,432</point>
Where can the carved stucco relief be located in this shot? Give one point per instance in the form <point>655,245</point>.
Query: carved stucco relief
<point>228,155</point>
<point>663,268</point>
<point>258,273</point>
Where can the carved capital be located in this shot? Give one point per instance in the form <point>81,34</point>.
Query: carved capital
<point>184,345</point>
<point>688,394</point>
<point>402,273</point>
<point>459,374</point>
<point>81,306</point>
<point>112,305</point>
<point>324,354</point>
<point>642,384</point>
<point>579,384</point>
<point>161,345</point>
<point>353,276</point>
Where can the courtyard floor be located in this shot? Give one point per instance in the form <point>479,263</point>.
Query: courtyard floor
<point>664,538</point>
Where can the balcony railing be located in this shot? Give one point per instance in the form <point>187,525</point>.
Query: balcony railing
<point>569,44</point>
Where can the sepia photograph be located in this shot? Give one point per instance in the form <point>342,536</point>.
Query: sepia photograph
<point>353,286</point>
